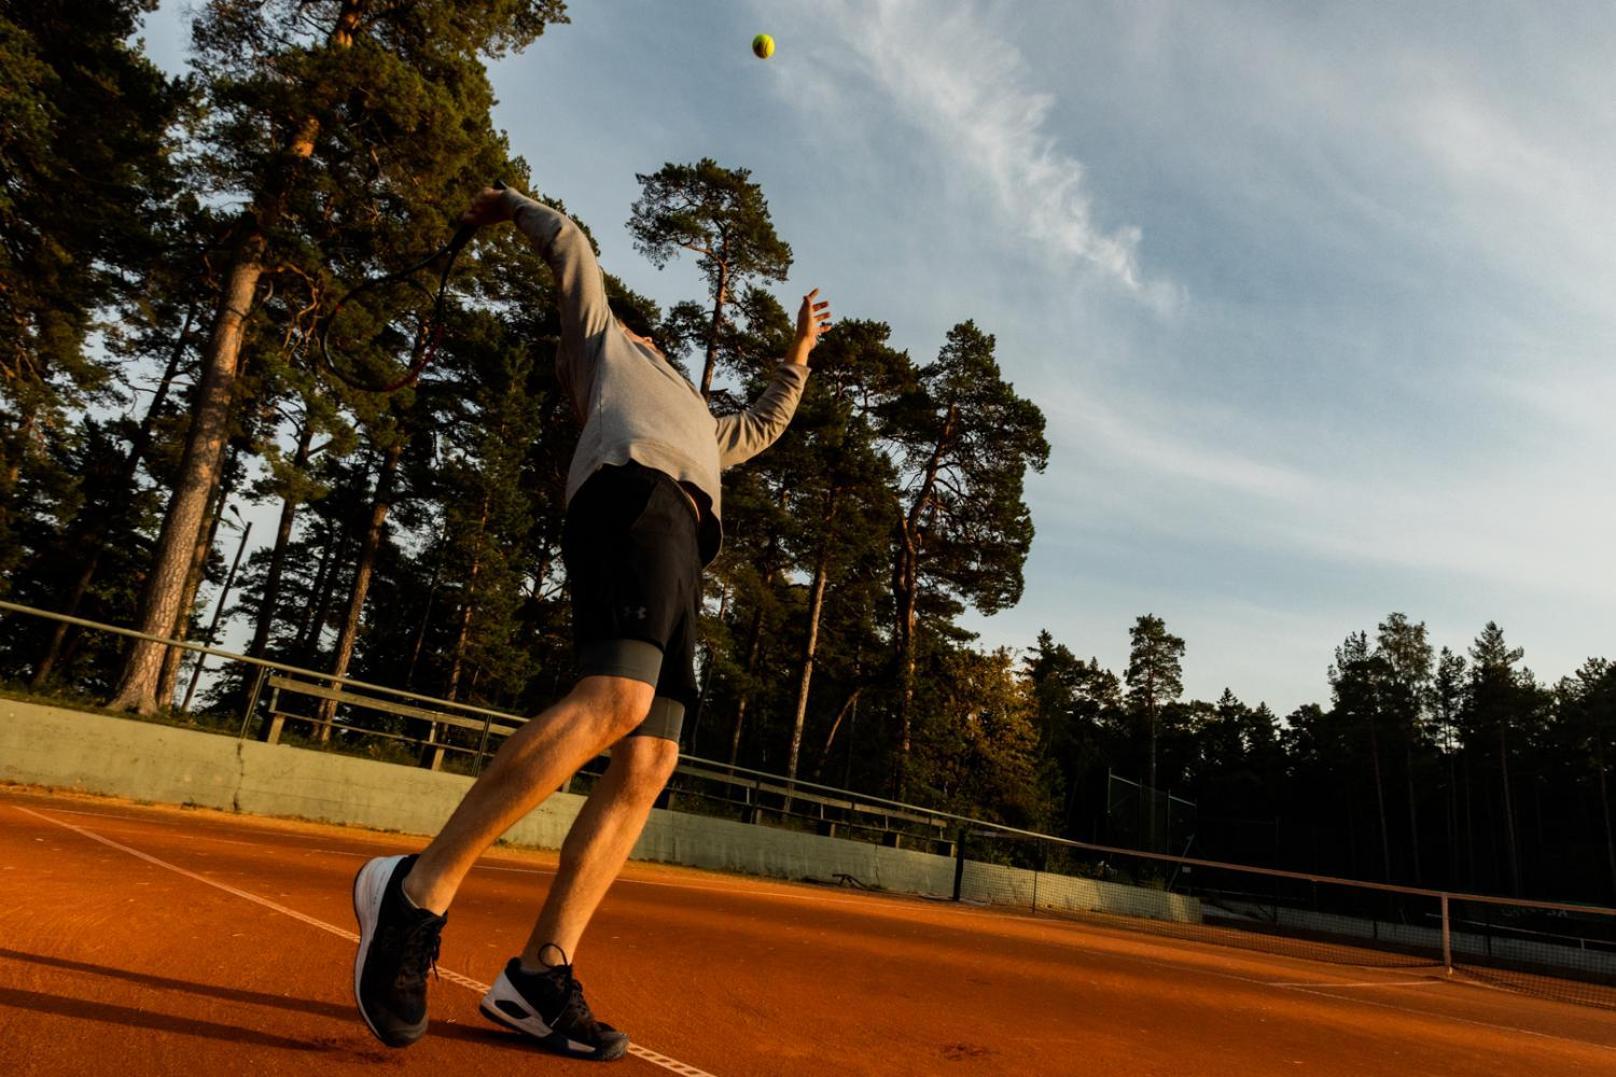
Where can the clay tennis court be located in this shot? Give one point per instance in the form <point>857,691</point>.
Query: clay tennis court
<point>161,940</point>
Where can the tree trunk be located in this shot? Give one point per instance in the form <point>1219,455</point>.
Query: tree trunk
<point>1454,851</point>
<point>349,635</point>
<point>199,471</point>
<point>907,623</point>
<point>835,726</point>
<point>1380,804</point>
<point>193,583</point>
<point>720,298</point>
<point>707,675</point>
<point>319,605</point>
<point>816,607</point>
<point>426,621</point>
<point>908,586</point>
<point>269,598</point>
<point>463,634</point>
<point>1604,809</point>
<point>1413,814</point>
<point>204,446</point>
<point>13,475</point>
<point>1469,820</point>
<point>752,650</point>
<point>1509,814</point>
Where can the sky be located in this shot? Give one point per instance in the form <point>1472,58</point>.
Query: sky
<point>1317,301</point>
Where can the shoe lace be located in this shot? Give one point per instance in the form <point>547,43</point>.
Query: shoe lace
<point>418,952</point>
<point>574,1009</point>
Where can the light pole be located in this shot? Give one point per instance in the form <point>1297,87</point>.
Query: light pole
<point>218,611</point>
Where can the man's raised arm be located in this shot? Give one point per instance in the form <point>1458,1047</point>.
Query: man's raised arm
<point>585,316</point>
<point>743,436</point>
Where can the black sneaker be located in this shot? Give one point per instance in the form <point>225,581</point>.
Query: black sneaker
<point>549,1006</point>
<point>398,946</point>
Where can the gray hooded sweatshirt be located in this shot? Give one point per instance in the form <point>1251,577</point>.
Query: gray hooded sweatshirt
<point>631,403</point>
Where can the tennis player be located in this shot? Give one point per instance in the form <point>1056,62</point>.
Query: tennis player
<point>643,520</point>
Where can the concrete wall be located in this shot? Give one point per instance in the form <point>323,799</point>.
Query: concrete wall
<point>94,753</point>
<point>999,885</point>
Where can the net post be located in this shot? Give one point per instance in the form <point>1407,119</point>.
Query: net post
<point>959,865</point>
<point>1447,937</point>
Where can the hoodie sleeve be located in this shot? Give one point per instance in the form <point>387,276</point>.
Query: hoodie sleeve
<point>743,436</point>
<point>585,315</point>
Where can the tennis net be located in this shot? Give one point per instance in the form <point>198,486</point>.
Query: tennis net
<point>1549,949</point>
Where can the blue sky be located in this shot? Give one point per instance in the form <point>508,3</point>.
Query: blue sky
<point>1318,303</point>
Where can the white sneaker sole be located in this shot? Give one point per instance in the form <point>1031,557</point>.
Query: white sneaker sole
<point>369,886</point>
<point>504,1004</point>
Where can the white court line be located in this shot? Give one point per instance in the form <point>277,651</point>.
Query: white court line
<point>653,1057</point>
<point>1365,983</point>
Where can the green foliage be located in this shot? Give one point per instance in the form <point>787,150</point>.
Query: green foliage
<point>979,740</point>
<point>716,213</point>
<point>87,188</point>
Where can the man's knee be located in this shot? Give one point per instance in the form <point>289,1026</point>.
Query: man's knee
<point>622,701</point>
<point>647,762</point>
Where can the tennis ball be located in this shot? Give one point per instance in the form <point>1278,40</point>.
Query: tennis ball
<point>763,46</point>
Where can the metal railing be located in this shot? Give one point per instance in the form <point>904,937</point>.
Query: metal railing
<point>756,795</point>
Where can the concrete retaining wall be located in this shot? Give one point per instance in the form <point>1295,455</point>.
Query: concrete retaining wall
<point>93,753</point>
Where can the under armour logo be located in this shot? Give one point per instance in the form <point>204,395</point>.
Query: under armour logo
<point>636,613</point>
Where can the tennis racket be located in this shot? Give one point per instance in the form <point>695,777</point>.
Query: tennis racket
<point>382,334</point>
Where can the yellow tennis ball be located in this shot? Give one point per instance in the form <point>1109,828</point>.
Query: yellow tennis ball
<point>763,46</point>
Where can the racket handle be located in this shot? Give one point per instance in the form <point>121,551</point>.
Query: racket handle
<point>463,235</point>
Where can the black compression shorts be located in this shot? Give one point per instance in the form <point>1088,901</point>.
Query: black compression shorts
<point>633,560</point>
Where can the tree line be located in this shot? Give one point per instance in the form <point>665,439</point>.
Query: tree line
<point>168,247</point>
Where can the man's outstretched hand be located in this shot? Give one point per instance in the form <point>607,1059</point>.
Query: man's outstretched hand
<point>813,319</point>
<point>489,207</point>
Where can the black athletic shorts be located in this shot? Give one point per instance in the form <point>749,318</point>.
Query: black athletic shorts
<point>633,562</point>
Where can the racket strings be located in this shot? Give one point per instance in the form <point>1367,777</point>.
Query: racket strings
<point>407,309</point>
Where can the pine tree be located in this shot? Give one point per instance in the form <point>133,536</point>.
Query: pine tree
<point>1358,679</point>
<point>963,441</point>
<point>721,216</point>
<point>840,488</point>
<point>1406,654</point>
<point>1497,701</point>
<point>1155,680</point>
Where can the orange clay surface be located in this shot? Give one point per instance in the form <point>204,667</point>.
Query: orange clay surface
<point>200,942</point>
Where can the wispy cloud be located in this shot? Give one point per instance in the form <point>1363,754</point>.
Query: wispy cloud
<point>945,70</point>
<point>1088,425</point>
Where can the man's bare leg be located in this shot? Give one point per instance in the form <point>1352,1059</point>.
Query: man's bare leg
<point>529,766</point>
<point>599,843</point>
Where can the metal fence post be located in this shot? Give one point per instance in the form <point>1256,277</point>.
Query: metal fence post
<point>1035,873</point>
<point>252,700</point>
<point>1447,937</point>
<point>482,745</point>
<point>959,864</point>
